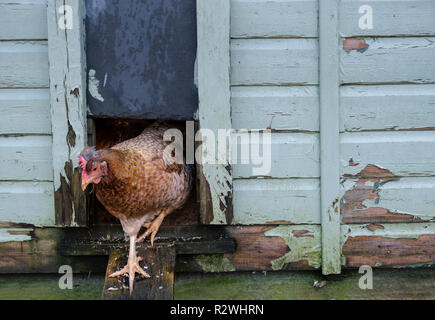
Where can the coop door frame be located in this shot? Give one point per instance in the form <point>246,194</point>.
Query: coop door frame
<point>213,60</point>
<point>213,21</point>
<point>67,70</point>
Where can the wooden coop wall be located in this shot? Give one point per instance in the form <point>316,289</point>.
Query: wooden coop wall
<point>368,94</point>
<point>26,171</point>
<point>352,116</point>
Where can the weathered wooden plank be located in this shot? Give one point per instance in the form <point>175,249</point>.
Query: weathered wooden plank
<point>258,248</point>
<point>159,262</point>
<point>213,60</point>
<point>277,201</point>
<point>403,153</point>
<point>390,18</point>
<point>274,61</point>
<point>23,20</point>
<point>388,60</point>
<point>388,245</point>
<point>23,64</point>
<point>288,155</point>
<point>194,239</point>
<point>263,248</point>
<point>68,110</point>
<point>281,108</point>
<point>25,158</point>
<point>40,255</point>
<point>388,199</point>
<point>25,111</point>
<point>27,202</point>
<point>264,18</point>
<point>275,248</point>
<point>329,135</point>
<point>383,107</point>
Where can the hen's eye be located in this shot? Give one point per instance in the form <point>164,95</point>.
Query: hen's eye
<point>94,169</point>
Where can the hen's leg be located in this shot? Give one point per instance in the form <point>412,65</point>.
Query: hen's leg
<point>132,265</point>
<point>153,227</point>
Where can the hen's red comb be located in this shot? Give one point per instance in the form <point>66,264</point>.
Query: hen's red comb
<point>82,162</point>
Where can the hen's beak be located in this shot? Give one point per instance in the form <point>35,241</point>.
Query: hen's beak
<point>85,184</point>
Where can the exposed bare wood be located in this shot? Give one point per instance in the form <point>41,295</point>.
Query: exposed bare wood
<point>68,110</point>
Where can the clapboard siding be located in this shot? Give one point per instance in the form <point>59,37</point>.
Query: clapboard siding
<point>282,18</point>
<point>292,155</point>
<point>283,108</point>
<point>26,158</point>
<point>280,201</point>
<point>389,60</point>
<point>390,18</point>
<point>379,200</point>
<point>27,202</point>
<point>403,153</point>
<point>23,64</point>
<point>25,111</point>
<point>384,107</point>
<point>23,19</point>
<point>274,61</point>
<point>388,245</point>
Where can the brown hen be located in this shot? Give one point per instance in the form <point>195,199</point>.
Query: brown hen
<point>139,183</point>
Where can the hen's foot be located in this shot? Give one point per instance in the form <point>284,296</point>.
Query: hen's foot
<point>152,228</point>
<point>132,267</point>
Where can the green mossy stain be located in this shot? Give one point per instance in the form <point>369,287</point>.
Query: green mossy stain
<point>306,247</point>
<point>214,263</point>
<point>46,287</point>
<point>387,284</point>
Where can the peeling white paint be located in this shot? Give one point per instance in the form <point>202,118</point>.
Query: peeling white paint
<point>93,84</point>
<point>7,234</point>
<point>217,177</point>
<point>306,247</point>
<point>391,230</point>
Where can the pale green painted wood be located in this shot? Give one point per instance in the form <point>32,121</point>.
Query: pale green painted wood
<point>306,248</point>
<point>23,64</point>
<point>404,153</point>
<point>390,17</point>
<point>25,111</point>
<point>280,201</point>
<point>67,94</point>
<point>329,136</point>
<point>292,155</point>
<point>25,158</point>
<point>15,234</point>
<point>390,230</point>
<point>387,107</point>
<point>274,61</point>
<point>413,196</point>
<point>283,108</point>
<point>389,60</point>
<point>265,18</point>
<point>27,202</point>
<point>23,19</point>
<point>213,60</point>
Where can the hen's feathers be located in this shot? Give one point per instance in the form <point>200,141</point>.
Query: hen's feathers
<point>140,181</point>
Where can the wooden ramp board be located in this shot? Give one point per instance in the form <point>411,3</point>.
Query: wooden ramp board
<point>158,262</point>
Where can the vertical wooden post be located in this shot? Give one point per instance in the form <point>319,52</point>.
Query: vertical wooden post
<point>329,136</point>
<point>213,57</point>
<point>68,107</point>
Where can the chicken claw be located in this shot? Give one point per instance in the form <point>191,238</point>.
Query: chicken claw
<point>152,228</point>
<point>132,267</point>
